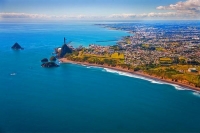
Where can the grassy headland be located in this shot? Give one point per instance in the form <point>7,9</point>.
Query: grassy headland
<point>111,57</point>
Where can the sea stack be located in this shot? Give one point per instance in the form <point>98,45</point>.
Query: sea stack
<point>44,60</point>
<point>49,64</point>
<point>16,46</point>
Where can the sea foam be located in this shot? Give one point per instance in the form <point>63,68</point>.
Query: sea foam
<point>196,93</point>
<point>154,81</point>
<point>96,67</point>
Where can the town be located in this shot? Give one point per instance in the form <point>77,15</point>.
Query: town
<point>159,43</point>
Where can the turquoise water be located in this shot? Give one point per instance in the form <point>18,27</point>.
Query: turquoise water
<point>76,98</point>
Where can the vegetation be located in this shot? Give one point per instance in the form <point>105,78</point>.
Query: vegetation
<point>176,73</point>
<point>160,49</point>
<point>174,69</point>
<point>117,56</point>
<point>53,58</point>
<point>146,46</point>
<point>115,59</point>
<point>114,47</point>
<point>127,40</point>
<point>165,60</point>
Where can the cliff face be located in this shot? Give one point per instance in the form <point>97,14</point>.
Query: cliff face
<point>64,50</point>
<point>16,46</point>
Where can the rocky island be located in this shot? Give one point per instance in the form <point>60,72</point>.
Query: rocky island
<point>16,46</point>
<point>49,64</point>
<point>44,60</point>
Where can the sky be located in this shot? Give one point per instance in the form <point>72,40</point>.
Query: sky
<point>24,10</point>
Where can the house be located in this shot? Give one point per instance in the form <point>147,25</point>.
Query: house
<point>194,70</point>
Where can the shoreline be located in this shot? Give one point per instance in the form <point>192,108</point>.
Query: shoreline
<point>192,88</point>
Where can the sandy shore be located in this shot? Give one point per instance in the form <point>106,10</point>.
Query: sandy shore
<point>64,60</point>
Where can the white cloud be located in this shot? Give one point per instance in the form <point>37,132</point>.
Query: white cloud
<point>44,17</point>
<point>22,15</point>
<point>123,16</point>
<point>190,8</point>
<point>187,5</point>
<point>152,15</point>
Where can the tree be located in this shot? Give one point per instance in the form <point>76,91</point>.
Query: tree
<point>53,58</point>
<point>198,81</point>
<point>136,69</point>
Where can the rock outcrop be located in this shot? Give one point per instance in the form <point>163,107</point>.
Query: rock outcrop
<point>49,64</point>
<point>44,60</point>
<point>16,46</point>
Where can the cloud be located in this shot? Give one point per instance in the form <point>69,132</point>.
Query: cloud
<point>125,16</point>
<point>22,15</point>
<point>152,15</point>
<point>189,7</point>
<point>43,16</point>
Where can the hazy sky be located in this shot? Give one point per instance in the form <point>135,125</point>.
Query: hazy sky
<point>98,9</point>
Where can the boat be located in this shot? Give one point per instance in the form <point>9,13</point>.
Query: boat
<point>13,74</point>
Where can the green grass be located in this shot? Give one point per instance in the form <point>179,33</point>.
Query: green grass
<point>117,56</point>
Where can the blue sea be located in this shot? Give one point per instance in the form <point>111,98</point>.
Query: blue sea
<point>77,98</point>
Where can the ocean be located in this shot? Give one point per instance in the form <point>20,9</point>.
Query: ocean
<point>78,98</point>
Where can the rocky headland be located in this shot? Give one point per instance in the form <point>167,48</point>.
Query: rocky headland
<point>61,52</point>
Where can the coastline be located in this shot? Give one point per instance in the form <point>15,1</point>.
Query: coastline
<point>192,88</point>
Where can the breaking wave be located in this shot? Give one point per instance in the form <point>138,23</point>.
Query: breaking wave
<point>91,66</point>
<point>196,93</point>
<point>154,81</point>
